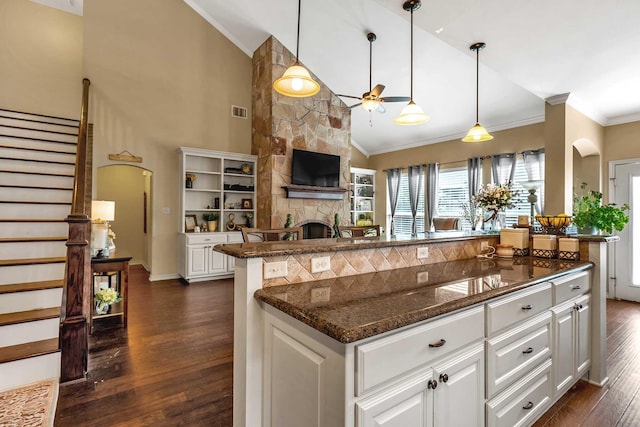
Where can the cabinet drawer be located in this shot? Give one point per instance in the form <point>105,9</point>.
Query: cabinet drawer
<point>204,238</point>
<point>517,307</point>
<point>388,357</point>
<point>573,285</point>
<point>512,354</point>
<point>524,402</point>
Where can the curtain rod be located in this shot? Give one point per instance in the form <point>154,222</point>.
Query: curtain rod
<point>464,160</point>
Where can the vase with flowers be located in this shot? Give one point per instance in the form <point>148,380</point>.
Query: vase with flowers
<point>105,298</point>
<point>494,200</point>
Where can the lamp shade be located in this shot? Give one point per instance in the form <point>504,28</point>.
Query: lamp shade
<point>370,104</point>
<point>412,114</point>
<point>103,210</point>
<point>296,82</point>
<point>477,134</point>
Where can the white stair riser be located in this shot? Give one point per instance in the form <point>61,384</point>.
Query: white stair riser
<point>26,166</point>
<point>17,153</point>
<point>21,333</point>
<point>31,273</point>
<point>26,371</point>
<point>23,250</point>
<point>38,134</point>
<point>27,180</point>
<point>30,300</point>
<point>5,121</point>
<point>33,143</point>
<point>33,229</point>
<point>35,117</point>
<point>18,210</point>
<point>35,194</point>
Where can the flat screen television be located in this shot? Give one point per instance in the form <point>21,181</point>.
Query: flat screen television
<point>315,169</point>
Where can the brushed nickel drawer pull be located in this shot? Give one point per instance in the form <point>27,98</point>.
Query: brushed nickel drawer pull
<point>438,344</point>
<point>527,307</point>
<point>576,287</point>
<point>528,405</point>
<point>528,351</point>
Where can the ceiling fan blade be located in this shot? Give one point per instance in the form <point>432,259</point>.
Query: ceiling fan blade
<point>349,96</point>
<point>396,99</point>
<point>376,91</point>
<point>355,105</point>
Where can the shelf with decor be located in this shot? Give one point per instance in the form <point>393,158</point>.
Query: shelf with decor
<point>217,199</point>
<point>362,196</point>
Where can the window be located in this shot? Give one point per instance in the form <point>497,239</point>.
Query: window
<point>403,218</point>
<point>453,193</point>
<point>522,206</point>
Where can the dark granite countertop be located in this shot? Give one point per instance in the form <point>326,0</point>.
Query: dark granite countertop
<point>352,308</point>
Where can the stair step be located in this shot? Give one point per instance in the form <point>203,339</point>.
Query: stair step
<point>35,195</point>
<point>17,210</point>
<point>32,123</point>
<point>11,273</point>
<point>39,156</point>
<point>32,248</point>
<point>31,349</point>
<point>37,187</point>
<point>31,261</point>
<point>29,316</point>
<point>50,135</point>
<point>38,150</point>
<point>31,286</point>
<point>31,220</point>
<point>66,175</point>
<point>21,328</point>
<point>34,202</point>
<point>30,369</point>
<point>38,117</point>
<point>19,159</point>
<point>32,239</point>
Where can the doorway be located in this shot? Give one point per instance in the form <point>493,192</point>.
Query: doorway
<point>625,189</point>
<point>130,187</point>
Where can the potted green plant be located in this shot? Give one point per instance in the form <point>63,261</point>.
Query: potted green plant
<point>589,214</point>
<point>211,219</point>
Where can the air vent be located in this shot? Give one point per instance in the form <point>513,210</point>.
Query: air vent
<point>239,112</point>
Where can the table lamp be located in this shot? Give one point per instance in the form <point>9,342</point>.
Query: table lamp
<point>102,211</point>
<point>531,186</point>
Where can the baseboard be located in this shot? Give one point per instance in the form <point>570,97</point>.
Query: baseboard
<point>157,277</point>
<point>600,384</point>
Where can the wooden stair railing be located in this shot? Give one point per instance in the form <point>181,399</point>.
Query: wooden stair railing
<point>76,305</point>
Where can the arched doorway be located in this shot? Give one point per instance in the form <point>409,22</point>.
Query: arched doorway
<point>130,187</point>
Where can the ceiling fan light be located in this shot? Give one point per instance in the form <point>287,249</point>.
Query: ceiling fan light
<point>412,114</point>
<point>370,104</point>
<point>477,134</point>
<point>296,82</point>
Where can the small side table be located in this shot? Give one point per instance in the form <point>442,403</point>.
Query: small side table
<point>112,273</point>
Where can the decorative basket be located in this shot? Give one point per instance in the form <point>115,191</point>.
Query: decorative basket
<point>554,224</point>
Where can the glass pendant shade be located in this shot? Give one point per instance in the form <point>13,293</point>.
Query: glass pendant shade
<point>296,82</point>
<point>477,134</point>
<point>370,104</point>
<point>412,114</point>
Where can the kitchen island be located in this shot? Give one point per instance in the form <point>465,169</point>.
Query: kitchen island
<point>373,288</point>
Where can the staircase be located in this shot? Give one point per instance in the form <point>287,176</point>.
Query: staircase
<point>37,156</point>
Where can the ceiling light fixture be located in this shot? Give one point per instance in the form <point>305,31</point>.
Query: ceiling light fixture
<point>412,114</point>
<point>477,133</point>
<point>296,80</point>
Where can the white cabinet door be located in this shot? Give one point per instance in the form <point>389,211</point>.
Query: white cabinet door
<point>583,334</point>
<point>563,347</point>
<point>403,405</point>
<point>459,398</point>
<point>197,260</point>
<point>217,261</point>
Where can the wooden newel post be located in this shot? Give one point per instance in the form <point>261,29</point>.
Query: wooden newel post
<point>76,309</point>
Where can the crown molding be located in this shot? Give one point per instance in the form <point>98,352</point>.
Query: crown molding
<point>558,99</point>
<point>625,118</point>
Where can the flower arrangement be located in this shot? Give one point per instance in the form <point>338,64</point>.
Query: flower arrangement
<point>471,212</point>
<point>107,296</point>
<point>494,199</point>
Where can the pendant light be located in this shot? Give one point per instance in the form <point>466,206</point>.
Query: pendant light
<point>477,133</point>
<point>296,80</point>
<point>412,114</point>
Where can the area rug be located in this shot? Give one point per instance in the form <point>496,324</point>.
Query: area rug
<point>33,405</point>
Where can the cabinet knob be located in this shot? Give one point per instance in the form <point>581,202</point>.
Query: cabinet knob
<point>444,378</point>
<point>527,307</point>
<point>528,406</point>
<point>438,344</point>
<point>527,351</point>
<point>432,384</point>
<point>576,287</point>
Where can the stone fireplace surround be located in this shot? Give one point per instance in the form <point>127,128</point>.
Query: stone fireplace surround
<point>321,123</point>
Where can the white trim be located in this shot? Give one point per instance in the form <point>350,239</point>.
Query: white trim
<point>156,277</point>
<point>625,118</point>
<point>558,99</point>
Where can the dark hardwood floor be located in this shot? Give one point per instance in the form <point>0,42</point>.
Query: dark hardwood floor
<point>173,365</point>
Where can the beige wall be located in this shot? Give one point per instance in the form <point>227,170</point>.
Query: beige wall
<point>621,142</point>
<point>40,59</point>
<point>358,160</point>
<point>453,154</point>
<point>161,78</point>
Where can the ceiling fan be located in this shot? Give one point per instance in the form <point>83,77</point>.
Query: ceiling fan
<point>372,100</point>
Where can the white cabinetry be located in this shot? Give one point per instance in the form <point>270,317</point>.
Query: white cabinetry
<point>217,183</point>
<point>362,196</point>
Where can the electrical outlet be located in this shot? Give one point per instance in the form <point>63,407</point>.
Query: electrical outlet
<point>166,211</point>
<point>423,252</point>
<point>422,277</point>
<point>320,264</point>
<point>320,294</point>
<point>276,269</point>
<point>484,245</point>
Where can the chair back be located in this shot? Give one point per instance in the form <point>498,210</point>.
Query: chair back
<point>271,234</point>
<point>451,223</point>
<point>359,231</point>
